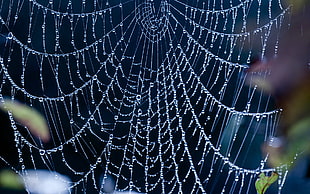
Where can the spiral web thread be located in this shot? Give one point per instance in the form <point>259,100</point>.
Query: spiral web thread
<point>152,94</point>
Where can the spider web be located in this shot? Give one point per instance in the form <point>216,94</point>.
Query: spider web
<point>152,94</point>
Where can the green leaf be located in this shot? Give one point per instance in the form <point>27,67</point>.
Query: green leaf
<point>28,117</point>
<point>10,180</point>
<point>263,183</point>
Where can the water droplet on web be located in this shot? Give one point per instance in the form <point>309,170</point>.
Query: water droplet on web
<point>42,152</point>
<point>10,36</point>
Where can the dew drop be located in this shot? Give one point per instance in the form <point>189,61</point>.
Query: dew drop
<point>42,152</point>
<point>10,36</point>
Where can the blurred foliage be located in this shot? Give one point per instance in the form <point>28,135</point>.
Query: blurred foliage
<point>263,183</point>
<point>296,122</point>
<point>28,117</point>
<point>287,78</point>
<point>298,4</point>
<point>10,180</point>
<point>36,124</point>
